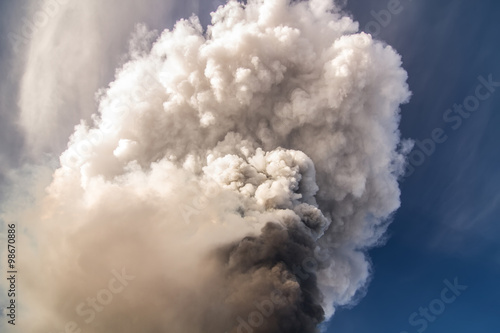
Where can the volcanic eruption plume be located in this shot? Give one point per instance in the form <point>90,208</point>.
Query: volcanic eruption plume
<point>231,181</point>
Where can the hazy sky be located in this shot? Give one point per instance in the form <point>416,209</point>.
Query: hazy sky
<point>448,225</point>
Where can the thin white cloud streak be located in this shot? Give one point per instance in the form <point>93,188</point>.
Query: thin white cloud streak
<point>70,57</point>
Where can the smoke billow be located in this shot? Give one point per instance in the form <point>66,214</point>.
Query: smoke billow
<point>231,180</point>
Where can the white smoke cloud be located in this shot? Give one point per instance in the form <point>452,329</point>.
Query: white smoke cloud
<point>282,119</point>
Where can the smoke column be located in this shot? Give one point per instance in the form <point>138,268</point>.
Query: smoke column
<point>231,181</point>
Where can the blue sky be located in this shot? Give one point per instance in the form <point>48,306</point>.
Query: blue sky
<point>447,227</point>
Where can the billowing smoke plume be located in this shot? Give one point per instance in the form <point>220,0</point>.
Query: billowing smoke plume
<point>230,182</point>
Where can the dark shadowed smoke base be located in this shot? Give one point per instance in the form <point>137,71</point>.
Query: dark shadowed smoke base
<point>266,269</point>
<point>283,120</point>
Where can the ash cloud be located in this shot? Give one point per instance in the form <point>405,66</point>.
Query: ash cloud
<point>283,120</point>
<point>267,264</point>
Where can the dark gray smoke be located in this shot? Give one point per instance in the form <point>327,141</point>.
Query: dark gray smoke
<point>231,180</point>
<point>277,299</point>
